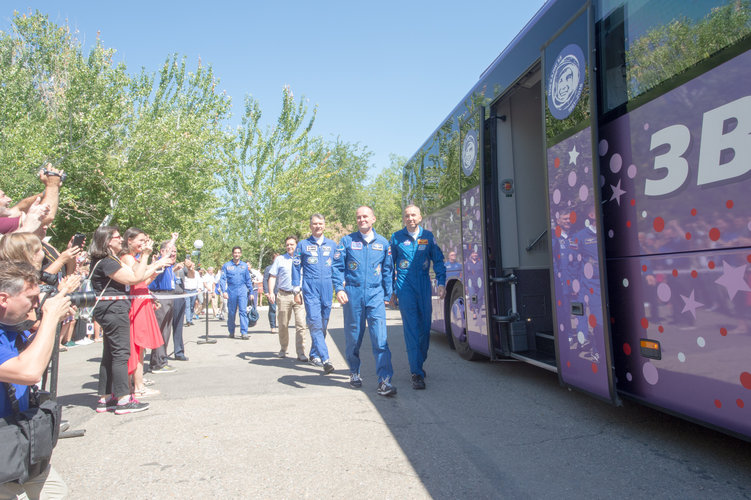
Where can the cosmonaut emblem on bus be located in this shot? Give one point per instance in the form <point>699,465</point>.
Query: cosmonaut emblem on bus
<point>566,81</point>
<point>469,152</point>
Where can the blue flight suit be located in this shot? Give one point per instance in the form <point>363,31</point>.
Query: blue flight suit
<point>237,283</point>
<point>366,270</point>
<point>315,262</point>
<point>412,259</point>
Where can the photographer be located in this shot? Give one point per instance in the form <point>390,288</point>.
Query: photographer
<point>23,360</point>
<point>110,277</point>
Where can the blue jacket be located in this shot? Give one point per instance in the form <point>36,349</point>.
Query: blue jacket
<point>313,265</point>
<point>412,260</point>
<point>367,266</point>
<point>235,277</point>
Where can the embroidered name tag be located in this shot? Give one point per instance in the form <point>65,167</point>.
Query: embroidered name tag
<point>422,242</point>
<point>356,245</point>
<point>377,246</point>
<point>311,249</point>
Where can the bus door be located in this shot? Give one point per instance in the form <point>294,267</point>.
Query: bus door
<point>577,272</point>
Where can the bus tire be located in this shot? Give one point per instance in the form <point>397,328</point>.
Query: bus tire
<point>456,327</point>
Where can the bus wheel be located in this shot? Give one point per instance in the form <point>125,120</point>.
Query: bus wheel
<point>457,327</point>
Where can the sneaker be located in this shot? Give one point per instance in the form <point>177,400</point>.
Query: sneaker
<point>105,406</point>
<point>385,388</point>
<point>245,337</point>
<point>302,358</point>
<point>147,382</point>
<point>84,341</point>
<point>282,354</point>
<point>355,380</point>
<point>181,357</point>
<point>327,368</point>
<point>418,382</point>
<point>70,343</point>
<point>146,392</point>
<point>232,335</point>
<point>132,406</point>
<point>165,369</point>
<point>315,361</point>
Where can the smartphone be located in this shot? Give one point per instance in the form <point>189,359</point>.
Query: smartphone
<point>79,240</point>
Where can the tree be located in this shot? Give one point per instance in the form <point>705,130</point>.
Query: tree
<point>384,195</point>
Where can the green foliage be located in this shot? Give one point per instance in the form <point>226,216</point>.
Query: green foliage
<point>384,194</point>
<point>669,49</point>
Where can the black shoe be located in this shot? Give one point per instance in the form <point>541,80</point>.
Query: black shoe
<point>355,380</point>
<point>232,335</point>
<point>245,337</point>
<point>418,382</point>
<point>385,388</point>
<point>132,406</point>
<point>327,368</point>
<point>181,357</point>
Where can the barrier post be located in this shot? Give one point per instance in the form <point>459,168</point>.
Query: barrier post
<point>206,339</point>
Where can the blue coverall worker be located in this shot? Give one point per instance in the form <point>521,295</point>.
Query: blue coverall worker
<point>312,264</point>
<point>235,283</point>
<point>412,250</point>
<point>363,279</point>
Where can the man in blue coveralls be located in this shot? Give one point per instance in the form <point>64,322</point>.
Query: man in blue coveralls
<point>235,284</point>
<point>362,262</point>
<point>314,256</point>
<point>412,250</point>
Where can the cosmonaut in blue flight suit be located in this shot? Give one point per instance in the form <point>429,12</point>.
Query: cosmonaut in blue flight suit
<point>235,283</point>
<point>412,250</point>
<point>363,279</point>
<point>314,257</point>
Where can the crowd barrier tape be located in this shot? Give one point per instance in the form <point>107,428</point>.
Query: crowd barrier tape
<point>149,296</point>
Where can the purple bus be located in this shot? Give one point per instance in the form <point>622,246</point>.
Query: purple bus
<point>593,194</point>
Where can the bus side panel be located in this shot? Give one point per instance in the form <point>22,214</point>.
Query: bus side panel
<point>446,227</point>
<point>698,307</point>
<point>679,246</point>
<point>576,280</point>
<point>474,271</point>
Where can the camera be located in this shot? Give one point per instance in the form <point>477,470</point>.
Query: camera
<point>82,299</point>
<point>56,174</point>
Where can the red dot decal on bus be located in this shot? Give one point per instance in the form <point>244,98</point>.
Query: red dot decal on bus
<point>627,349</point>
<point>675,273</point>
<point>718,403</point>
<point>739,402</point>
<point>688,236</point>
<point>729,204</point>
<point>693,212</point>
<point>559,303</point>
<point>558,231</point>
<point>710,264</point>
<point>568,364</point>
<point>628,223</point>
<point>633,203</point>
<point>748,257</point>
<point>592,320</point>
<point>644,323</point>
<point>714,234</point>
<point>661,329</point>
<point>746,380</point>
<point>557,162</point>
<point>591,291</point>
<point>572,217</point>
<point>723,331</point>
<point>594,367</point>
<point>644,268</point>
<point>694,274</point>
<point>659,224</point>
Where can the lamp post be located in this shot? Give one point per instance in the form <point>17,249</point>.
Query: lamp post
<point>198,245</point>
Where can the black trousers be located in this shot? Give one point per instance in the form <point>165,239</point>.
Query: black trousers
<point>113,370</point>
<point>164,318</point>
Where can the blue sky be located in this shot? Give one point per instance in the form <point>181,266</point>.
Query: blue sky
<point>383,74</point>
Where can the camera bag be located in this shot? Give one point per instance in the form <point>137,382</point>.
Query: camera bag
<point>28,437</point>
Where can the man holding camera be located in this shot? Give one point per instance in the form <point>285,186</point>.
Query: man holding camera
<point>40,209</point>
<point>24,357</point>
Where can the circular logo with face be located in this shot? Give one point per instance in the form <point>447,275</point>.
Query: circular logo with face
<point>404,264</point>
<point>469,152</point>
<point>566,81</point>
<point>352,265</point>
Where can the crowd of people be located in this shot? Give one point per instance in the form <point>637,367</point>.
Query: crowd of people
<point>138,301</point>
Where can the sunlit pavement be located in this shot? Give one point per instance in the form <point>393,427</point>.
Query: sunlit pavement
<point>237,422</point>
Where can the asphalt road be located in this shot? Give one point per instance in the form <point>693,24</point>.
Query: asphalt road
<point>237,422</point>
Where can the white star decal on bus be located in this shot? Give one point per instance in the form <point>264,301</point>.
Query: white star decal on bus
<point>572,156</point>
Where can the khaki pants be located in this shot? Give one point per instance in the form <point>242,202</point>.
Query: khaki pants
<point>285,306</point>
<point>48,484</point>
